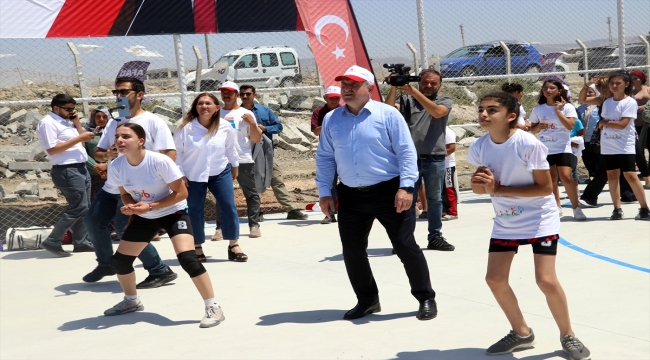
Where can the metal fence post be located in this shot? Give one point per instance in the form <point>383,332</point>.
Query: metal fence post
<point>621,34</point>
<point>180,68</point>
<point>199,68</point>
<point>415,57</point>
<point>423,37</point>
<point>647,53</point>
<point>80,76</point>
<point>585,59</point>
<point>207,49</point>
<point>508,63</point>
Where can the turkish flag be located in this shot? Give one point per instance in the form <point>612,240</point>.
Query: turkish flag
<point>334,38</point>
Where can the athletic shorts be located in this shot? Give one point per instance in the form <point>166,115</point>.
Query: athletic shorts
<point>143,230</point>
<point>546,245</point>
<point>562,159</point>
<point>625,162</point>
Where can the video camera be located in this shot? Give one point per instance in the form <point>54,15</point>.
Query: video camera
<point>400,75</point>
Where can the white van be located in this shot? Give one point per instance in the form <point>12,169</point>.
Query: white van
<point>253,66</point>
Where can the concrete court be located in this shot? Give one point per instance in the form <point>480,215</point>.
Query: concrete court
<point>288,300</point>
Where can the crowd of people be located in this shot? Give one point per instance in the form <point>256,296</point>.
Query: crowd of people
<point>130,178</point>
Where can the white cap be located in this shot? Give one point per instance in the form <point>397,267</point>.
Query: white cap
<point>357,73</point>
<point>333,91</point>
<point>229,85</point>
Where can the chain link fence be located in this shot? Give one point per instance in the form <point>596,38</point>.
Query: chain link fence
<point>477,45</point>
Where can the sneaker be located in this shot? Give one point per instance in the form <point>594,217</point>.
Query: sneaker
<point>328,220</point>
<point>644,214</point>
<point>424,215</point>
<point>213,317</point>
<point>98,273</point>
<point>617,214</point>
<point>297,215</point>
<point>260,218</point>
<point>254,232</point>
<point>125,306</point>
<point>56,250</point>
<point>217,235</point>
<point>511,342</point>
<point>559,211</point>
<point>588,203</point>
<point>440,243</point>
<point>578,214</point>
<point>84,248</point>
<point>575,348</point>
<point>449,217</point>
<point>154,281</point>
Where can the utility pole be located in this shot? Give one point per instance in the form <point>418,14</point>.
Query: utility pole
<point>609,25</point>
<point>462,34</point>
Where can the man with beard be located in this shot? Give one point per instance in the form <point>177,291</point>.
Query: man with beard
<point>426,114</point>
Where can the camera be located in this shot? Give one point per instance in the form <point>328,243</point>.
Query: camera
<point>400,75</point>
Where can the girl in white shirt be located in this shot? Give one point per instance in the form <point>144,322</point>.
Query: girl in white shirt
<point>513,169</point>
<point>207,156</point>
<point>517,90</point>
<point>617,143</point>
<point>552,121</point>
<point>153,193</point>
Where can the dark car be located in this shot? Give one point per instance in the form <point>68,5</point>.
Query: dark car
<point>490,59</point>
<point>606,57</point>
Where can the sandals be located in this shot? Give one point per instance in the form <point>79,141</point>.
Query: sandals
<point>201,257</point>
<point>239,257</point>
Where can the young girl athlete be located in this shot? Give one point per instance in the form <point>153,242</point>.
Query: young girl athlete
<point>513,169</point>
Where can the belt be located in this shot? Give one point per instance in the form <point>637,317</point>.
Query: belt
<point>373,186</point>
<point>367,188</point>
<point>431,157</point>
<point>75,165</point>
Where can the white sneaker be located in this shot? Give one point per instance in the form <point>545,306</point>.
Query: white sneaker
<point>578,214</point>
<point>559,211</point>
<point>213,317</point>
<point>449,217</point>
<point>217,235</point>
<point>125,306</point>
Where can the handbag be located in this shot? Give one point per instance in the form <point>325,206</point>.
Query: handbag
<point>26,238</point>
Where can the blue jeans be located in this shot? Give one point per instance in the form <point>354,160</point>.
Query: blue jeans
<point>432,171</point>
<point>221,187</point>
<point>74,184</point>
<point>103,210</point>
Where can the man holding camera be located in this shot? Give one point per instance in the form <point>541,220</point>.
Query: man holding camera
<point>62,136</point>
<point>426,114</point>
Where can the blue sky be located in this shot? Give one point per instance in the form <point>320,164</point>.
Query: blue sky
<point>386,26</point>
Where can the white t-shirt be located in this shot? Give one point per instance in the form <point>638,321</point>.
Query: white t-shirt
<point>618,141</point>
<point>557,137</point>
<point>450,138</point>
<point>158,137</point>
<point>522,116</point>
<point>243,132</point>
<point>147,181</point>
<point>512,164</point>
<point>52,130</point>
<point>194,150</point>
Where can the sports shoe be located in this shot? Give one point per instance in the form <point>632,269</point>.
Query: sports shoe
<point>84,248</point>
<point>125,306</point>
<point>440,243</point>
<point>511,342</point>
<point>98,273</point>
<point>617,214</point>
<point>213,317</point>
<point>578,214</point>
<point>327,220</point>
<point>587,203</point>
<point>254,232</point>
<point>644,214</point>
<point>559,211</point>
<point>296,214</point>
<point>217,235</point>
<point>575,348</point>
<point>56,250</point>
<point>449,217</point>
<point>423,215</point>
<point>260,218</point>
<point>154,281</point>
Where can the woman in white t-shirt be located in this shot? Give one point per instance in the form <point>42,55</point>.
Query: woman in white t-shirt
<point>513,169</point>
<point>207,156</point>
<point>617,143</point>
<point>552,121</point>
<point>153,193</point>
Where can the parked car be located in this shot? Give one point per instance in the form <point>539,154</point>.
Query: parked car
<point>558,65</point>
<point>606,57</point>
<point>489,59</point>
<point>254,66</point>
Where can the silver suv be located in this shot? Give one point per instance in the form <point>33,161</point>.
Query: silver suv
<point>606,57</point>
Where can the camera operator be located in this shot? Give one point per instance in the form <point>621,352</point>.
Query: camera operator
<point>426,114</point>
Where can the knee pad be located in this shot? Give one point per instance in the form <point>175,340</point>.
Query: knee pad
<point>190,263</point>
<point>122,264</point>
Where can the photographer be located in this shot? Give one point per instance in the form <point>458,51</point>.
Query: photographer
<point>426,114</point>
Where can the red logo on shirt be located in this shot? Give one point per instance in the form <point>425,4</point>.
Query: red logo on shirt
<point>145,194</point>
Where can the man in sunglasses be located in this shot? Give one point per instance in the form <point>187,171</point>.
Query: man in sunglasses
<point>269,124</point>
<point>108,201</point>
<point>62,137</point>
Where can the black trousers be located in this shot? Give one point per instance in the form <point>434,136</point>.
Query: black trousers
<point>597,184</point>
<point>590,159</point>
<point>640,160</point>
<point>357,211</point>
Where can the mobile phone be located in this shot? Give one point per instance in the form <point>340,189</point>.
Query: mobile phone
<point>123,107</point>
<point>558,98</point>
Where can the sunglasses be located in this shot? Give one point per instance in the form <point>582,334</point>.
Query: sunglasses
<point>122,92</point>
<point>68,109</point>
<point>246,94</point>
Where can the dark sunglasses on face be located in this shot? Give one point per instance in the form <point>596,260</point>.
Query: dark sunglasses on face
<point>123,92</point>
<point>245,94</point>
<point>68,109</point>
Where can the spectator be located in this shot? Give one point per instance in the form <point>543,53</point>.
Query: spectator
<point>517,90</point>
<point>449,194</point>
<point>641,93</point>
<point>588,115</point>
<point>577,137</point>
<point>97,169</point>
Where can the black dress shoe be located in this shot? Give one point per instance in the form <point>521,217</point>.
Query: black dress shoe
<point>428,310</point>
<point>56,250</point>
<point>154,281</point>
<point>98,274</point>
<point>362,310</point>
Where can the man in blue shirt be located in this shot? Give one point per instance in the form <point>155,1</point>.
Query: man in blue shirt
<point>269,124</point>
<point>369,145</point>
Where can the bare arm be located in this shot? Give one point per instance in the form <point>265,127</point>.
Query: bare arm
<point>255,132</point>
<point>317,130</point>
<point>622,124</point>
<point>169,152</point>
<point>543,185</point>
<point>589,100</point>
<point>437,111</point>
<point>451,148</point>
<point>178,194</point>
<point>390,98</point>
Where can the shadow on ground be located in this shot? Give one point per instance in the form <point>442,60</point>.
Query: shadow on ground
<point>30,254</point>
<point>106,322</point>
<point>98,287</point>
<point>324,316</point>
<point>371,253</point>
<point>469,354</point>
<point>299,223</point>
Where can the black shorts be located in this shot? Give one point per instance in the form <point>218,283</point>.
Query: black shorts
<point>563,159</point>
<point>546,245</point>
<point>625,162</point>
<point>143,230</point>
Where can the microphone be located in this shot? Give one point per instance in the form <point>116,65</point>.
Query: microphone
<point>119,107</point>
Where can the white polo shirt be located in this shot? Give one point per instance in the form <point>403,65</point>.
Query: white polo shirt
<point>243,132</point>
<point>52,130</point>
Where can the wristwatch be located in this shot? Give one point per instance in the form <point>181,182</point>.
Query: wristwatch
<point>408,189</point>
